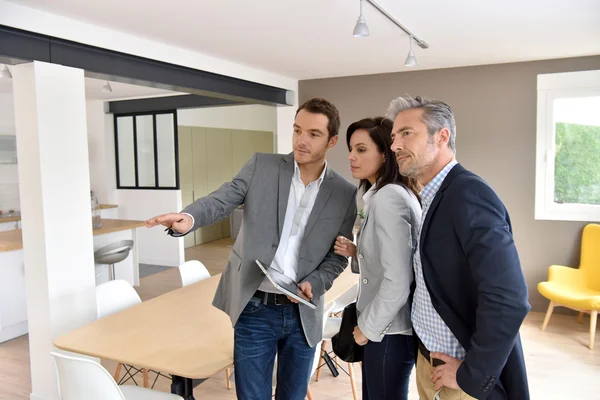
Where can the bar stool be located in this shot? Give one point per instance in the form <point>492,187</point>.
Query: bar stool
<point>112,254</point>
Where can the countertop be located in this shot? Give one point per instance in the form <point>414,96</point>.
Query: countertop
<point>13,240</point>
<point>9,219</point>
<point>4,218</point>
<point>107,206</point>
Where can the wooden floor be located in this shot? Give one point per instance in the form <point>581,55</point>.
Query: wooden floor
<point>559,364</point>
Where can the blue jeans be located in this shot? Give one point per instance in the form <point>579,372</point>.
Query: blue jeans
<point>262,331</point>
<point>386,368</point>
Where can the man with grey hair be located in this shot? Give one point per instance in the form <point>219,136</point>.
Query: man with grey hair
<point>470,296</point>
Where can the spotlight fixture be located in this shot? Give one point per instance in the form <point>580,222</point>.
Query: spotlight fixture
<point>411,60</point>
<point>361,29</point>
<point>106,88</point>
<point>5,72</point>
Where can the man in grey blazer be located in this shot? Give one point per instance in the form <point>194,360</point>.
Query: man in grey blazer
<point>294,208</point>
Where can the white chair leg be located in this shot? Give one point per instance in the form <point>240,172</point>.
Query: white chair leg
<point>548,314</point>
<point>593,318</point>
<point>580,318</point>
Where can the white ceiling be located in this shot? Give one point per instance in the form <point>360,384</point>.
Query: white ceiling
<point>313,38</point>
<point>93,90</point>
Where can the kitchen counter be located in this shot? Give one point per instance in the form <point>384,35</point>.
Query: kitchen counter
<point>13,301</point>
<point>116,225</point>
<point>12,240</point>
<point>9,219</point>
<point>4,218</point>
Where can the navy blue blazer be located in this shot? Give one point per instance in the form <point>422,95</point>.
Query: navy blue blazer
<point>473,274</point>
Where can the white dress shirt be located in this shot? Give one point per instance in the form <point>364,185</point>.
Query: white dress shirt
<point>301,201</point>
<point>299,207</point>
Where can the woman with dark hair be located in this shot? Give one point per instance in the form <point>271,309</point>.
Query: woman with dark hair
<point>383,257</point>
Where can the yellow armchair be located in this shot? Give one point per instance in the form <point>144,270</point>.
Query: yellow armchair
<point>578,289</point>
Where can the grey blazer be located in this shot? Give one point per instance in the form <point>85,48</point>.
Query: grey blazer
<point>263,186</point>
<point>385,244</point>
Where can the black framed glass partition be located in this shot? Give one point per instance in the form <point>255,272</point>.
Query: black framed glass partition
<point>146,150</point>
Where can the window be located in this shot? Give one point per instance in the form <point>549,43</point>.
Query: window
<point>146,150</point>
<point>568,147</point>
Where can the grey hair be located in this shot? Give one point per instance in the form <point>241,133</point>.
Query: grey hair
<point>436,115</point>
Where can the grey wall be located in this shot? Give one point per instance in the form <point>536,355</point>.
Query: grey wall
<point>495,108</point>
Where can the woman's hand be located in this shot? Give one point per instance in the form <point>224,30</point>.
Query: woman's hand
<point>344,247</point>
<point>359,337</point>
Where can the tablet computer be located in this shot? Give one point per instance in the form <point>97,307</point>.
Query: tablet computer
<point>285,284</point>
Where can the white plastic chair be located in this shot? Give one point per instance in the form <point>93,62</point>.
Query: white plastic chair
<point>115,296</point>
<point>192,271</point>
<point>112,297</point>
<point>348,297</point>
<point>332,327</point>
<point>318,351</point>
<point>332,324</point>
<point>80,378</point>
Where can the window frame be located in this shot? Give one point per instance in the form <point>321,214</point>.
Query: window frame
<point>549,88</point>
<point>157,185</point>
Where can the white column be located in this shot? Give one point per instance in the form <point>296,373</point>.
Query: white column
<point>50,121</point>
<point>285,128</point>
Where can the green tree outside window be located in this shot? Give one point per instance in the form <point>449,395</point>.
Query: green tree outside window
<point>577,164</point>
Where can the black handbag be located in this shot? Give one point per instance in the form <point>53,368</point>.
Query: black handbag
<point>343,342</point>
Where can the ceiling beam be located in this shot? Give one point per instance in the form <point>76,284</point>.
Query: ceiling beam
<point>101,63</point>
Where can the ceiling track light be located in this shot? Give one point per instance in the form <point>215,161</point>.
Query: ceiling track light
<point>5,72</point>
<point>361,29</point>
<point>106,87</point>
<point>411,60</point>
<point>389,16</point>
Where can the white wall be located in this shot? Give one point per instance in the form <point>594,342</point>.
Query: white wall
<point>101,154</point>
<point>9,176</point>
<point>154,246</point>
<point>250,117</point>
<point>285,123</point>
<point>101,148</point>
<point>7,114</point>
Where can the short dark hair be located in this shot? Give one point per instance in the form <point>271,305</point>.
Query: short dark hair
<point>380,131</point>
<point>322,106</point>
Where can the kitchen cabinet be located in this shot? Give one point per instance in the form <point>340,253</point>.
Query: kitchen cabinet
<point>209,157</point>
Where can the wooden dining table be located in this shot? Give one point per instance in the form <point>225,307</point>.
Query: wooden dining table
<point>179,333</point>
